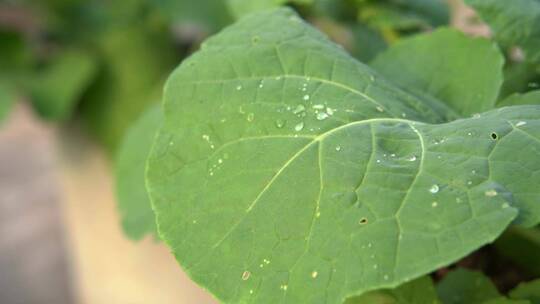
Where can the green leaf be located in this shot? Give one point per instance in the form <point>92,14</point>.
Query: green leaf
<point>515,23</point>
<point>57,88</point>
<point>286,171</point>
<point>419,291</point>
<point>527,291</point>
<point>522,246</point>
<point>240,8</point>
<point>530,98</point>
<point>464,286</point>
<point>466,73</point>
<point>135,61</point>
<point>137,216</point>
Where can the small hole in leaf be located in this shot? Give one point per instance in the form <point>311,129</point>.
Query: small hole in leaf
<point>363,221</point>
<point>494,136</point>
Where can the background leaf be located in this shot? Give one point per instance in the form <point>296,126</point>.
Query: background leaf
<point>464,286</point>
<point>137,216</point>
<point>419,291</point>
<point>304,181</point>
<point>514,23</point>
<point>56,89</point>
<point>421,62</point>
<point>532,98</point>
<point>528,291</point>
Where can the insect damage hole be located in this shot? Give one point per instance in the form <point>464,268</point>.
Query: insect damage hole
<point>494,136</point>
<point>363,221</point>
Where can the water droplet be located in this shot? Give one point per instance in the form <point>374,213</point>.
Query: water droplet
<point>380,109</point>
<point>299,126</point>
<point>299,109</point>
<point>306,97</point>
<point>393,155</point>
<point>206,137</point>
<point>283,287</point>
<point>412,158</point>
<point>261,84</point>
<point>378,161</point>
<point>371,78</point>
<point>330,111</point>
<point>171,143</point>
<point>318,214</point>
<point>251,291</point>
<point>434,189</point>
<point>403,115</point>
<point>473,171</point>
<point>322,116</point>
<point>491,193</point>
<point>521,123</point>
<point>318,106</point>
<point>314,274</point>
<point>246,275</point>
<point>250,117</point>
<point>239,87</point>
<point>385,277</point>
<point>280,123</point>
<point>375,266</point>
<point>369,245</point>
<point>338,148</point>
<point>434,204</point>
<point>469,183</point>
<point>476,115</point>
<point>220,161</point>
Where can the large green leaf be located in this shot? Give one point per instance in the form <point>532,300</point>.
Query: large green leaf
<point>463,286</point>
<point>527,291</point>
<point>137,216</point>
<point>419,291</point>
<point>515,23</point>
<point>57,88</point>
<point>286,171</point>
<point>466,73</point>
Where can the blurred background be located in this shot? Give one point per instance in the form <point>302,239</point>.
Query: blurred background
<point>74,76</point>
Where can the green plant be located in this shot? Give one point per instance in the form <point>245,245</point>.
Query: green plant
<point>283,166</point>
<point>285,170</point>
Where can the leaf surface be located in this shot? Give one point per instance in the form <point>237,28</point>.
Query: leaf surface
<point>529,98</point>
<point>464,72</point>
<point>137,216</point>
<point>286,171</point>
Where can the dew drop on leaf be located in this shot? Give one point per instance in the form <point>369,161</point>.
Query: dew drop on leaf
<point>306,97</point>
<point>280,123</point>
<point>314,274</point>
<point>239,87</point>
<point>246,275</point>
<point>412,158</point>
<point>434,189</point>
<point>491,193</point>
<point>299,126</point>
<point>521,123</point>
<point>380,109</point>
<point>322,116</point>
<point>338,148</point>
<point>250,117</point>
<point>299,109</point>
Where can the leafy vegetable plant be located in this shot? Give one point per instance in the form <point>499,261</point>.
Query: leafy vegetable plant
<point>287,171</point>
